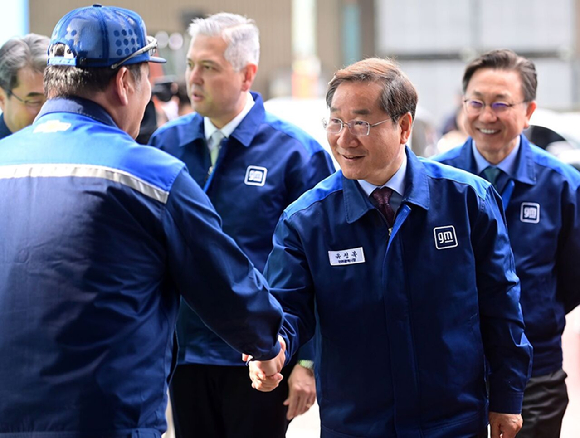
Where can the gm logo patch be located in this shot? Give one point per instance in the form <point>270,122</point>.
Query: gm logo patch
<point>530,212</point>
<point>255,176</point>
<point>445,237</point>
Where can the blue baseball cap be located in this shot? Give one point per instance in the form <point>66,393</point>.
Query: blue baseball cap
<point>101,36</point>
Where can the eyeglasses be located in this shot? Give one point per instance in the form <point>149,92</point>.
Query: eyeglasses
<point>150,47</point>
<point>474,107</point>
<point>34,102</point>
<point>358,128</point>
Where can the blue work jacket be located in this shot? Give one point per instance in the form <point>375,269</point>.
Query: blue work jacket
<point>264,166</point>
<point>4,131</point>
<point>406,322</point>
<point>98,238</point>
<point>542,209</point>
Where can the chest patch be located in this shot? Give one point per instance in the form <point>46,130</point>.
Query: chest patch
<point>346,257</point>
<point>445,237</point>
<point>255,176</point>
<point>530,212</point>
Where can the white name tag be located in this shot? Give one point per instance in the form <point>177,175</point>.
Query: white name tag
<point>346,257</point>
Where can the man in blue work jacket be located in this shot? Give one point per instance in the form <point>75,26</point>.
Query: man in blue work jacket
<point>252,165</point>
<point>99,237</point>
<point>404,267</point>
<point>541,199</point>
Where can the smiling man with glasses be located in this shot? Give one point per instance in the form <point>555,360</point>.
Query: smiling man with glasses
<point>22,64</point>
<point>541,200</point>
<point>402,269</point>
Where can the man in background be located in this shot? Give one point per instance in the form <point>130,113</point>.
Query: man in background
<point>541,200</point>
<point>22,64</point>
<point>251,165</point>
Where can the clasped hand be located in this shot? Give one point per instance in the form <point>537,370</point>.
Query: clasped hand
<point>265,375</point>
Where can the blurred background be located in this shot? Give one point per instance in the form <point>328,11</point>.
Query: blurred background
<point>305,41</point>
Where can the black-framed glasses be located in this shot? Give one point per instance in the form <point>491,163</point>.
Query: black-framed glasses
<point>149,47</point>
<point>34,102</point>
<point>474,106</point>
<point>358,128</point>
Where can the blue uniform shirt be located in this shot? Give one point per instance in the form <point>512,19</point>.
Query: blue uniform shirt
<point>406,321</point>
<point>262,167</point>
<point>542,208</point>
<point>98,238</point>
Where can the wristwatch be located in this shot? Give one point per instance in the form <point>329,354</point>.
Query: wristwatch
<point>308,364</point>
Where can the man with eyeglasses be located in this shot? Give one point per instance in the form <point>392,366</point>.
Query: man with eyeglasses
<point>22,64</point>
<point>99,239</point>
<point>541,201</point>
<point>403,267</point>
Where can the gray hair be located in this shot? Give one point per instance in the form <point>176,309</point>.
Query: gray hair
<point>398,96</point>
<point>240,34</point>
<point>21,52</point>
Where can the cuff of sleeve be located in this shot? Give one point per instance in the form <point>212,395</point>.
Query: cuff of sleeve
<point>271,354</point>
<point>506,403</point>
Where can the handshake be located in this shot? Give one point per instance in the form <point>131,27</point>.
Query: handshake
<point>265,375</point>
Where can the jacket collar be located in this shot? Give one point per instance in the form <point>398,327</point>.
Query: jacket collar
<point>4,131</point>
<point>357,203</point>
<point>77,105</point>
<point>244,133</point>
<point>525,171</point>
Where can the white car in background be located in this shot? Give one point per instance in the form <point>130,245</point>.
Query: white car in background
<point>558,133</point>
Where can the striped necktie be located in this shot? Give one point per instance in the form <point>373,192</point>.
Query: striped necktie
<point>214,145</point>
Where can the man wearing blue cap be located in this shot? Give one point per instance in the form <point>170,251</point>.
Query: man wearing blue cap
<point>98,239</point>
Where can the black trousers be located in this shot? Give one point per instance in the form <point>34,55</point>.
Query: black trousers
<point>212,401</point>
<point>545,401</point>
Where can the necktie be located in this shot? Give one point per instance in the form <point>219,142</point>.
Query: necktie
<point>214,145</point>
<point>496,177</point>
<point>383,196</point>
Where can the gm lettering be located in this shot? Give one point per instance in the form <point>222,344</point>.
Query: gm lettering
<point>255,176</point>
<point>530,212</point>
<point>445,237</point>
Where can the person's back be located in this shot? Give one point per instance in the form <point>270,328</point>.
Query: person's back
<point>99,239</point>
<point>83,248</point>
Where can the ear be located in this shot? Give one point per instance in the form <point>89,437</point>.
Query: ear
<point>3,97</point>
<point>529,111</point>
<point>124,85</point>
<point>249,73</point>
<point>405,124</point>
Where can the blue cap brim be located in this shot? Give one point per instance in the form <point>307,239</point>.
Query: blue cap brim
<point>157,60</point>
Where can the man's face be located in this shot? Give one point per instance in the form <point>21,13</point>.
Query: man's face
<point>374,158</point>
<point>216,90</point>
<point>496,134</point>
<point>30,90</point>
